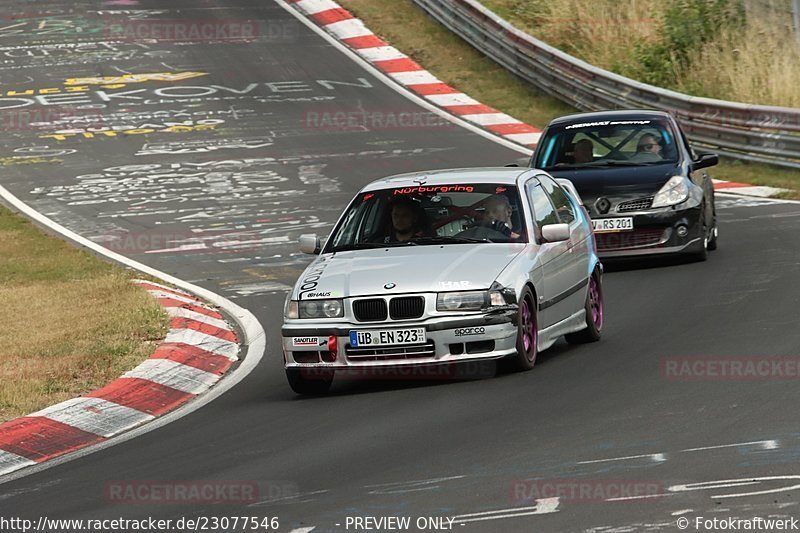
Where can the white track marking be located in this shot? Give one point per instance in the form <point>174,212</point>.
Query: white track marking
<point>316,6</point>
<point>381,53</point>
<point>765,444</point>
<point>729,483</point>
<point>543,506</point>
<point>491,119</point>
<point>9,462</point>
<point>642,497</point>
<point>295,498</point>
<point>401,487</point>
<point>184,299</point>
<point>655,457</point>
<point>661,457</point>
<point>182,312</point>
<point>206,342</point>
<point>173,374</point>
<point>414,482</point>
<point>346,29</point>
<point>527,138</point>
<point>95,415</point>
<point>414,77</point>
<point>452,99</point>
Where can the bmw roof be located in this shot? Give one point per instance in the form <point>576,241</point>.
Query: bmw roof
<point>507,175</point>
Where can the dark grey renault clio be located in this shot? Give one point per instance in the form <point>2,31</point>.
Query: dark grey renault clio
<point>645,188</point>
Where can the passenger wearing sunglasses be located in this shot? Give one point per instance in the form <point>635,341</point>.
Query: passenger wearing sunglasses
<point>647,149</point>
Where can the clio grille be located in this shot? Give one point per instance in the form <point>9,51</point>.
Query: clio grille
<point>635,205</point>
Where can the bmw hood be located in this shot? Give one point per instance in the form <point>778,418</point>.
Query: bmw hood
<point>406,269</point>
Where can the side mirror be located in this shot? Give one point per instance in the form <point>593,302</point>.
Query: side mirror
<point>309,244</point>
<point>555,232</point>
<point>705,160</point>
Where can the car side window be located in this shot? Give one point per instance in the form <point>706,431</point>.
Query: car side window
<point>564,209</point>
<point>543,211</point>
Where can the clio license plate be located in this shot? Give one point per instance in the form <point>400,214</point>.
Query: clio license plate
<point>606,225</point>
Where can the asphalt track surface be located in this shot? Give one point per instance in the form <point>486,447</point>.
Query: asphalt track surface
<point>608,417</point>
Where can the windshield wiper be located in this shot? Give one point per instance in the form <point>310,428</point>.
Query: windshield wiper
<point>447,240</point>
<point>621,163</point>
<point>364,246</point>
<point>616,163</point>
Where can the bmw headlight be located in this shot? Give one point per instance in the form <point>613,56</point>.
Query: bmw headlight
<point>320,308</point>
<point>462,300</point>
<point>675,191</point>
<point>470,300</point>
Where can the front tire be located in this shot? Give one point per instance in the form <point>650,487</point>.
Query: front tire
<point>712,241</point>
<point>527,332</point>
<point>702,255</point>
<point>310,381</point>
<point>594,314</point>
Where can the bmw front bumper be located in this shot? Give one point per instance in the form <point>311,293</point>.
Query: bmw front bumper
<point>449,339</point>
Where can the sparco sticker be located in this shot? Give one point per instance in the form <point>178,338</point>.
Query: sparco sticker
<point>470,331</point>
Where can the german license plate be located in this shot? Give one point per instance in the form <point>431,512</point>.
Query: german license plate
<point>384,337</point>
<point>605,225</point>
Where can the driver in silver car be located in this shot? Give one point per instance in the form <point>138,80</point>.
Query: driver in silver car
<point>497,217</point>
<point>408,220</point>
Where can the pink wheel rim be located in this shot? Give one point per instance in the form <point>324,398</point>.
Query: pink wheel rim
<point>529,330</point>
<point>596,303</point>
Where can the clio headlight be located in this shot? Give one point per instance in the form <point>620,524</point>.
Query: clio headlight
<point>320,308</point>
<point>675,191</point>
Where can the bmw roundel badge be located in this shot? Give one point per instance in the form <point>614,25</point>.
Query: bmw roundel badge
<point>389,286</point>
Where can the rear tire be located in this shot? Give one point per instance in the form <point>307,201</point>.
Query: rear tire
<point>594,314</point>
<point>527,333</point>
<point>310,381</point>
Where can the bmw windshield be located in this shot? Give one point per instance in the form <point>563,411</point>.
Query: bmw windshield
<point>607,143</point>
<point>422,215</point>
